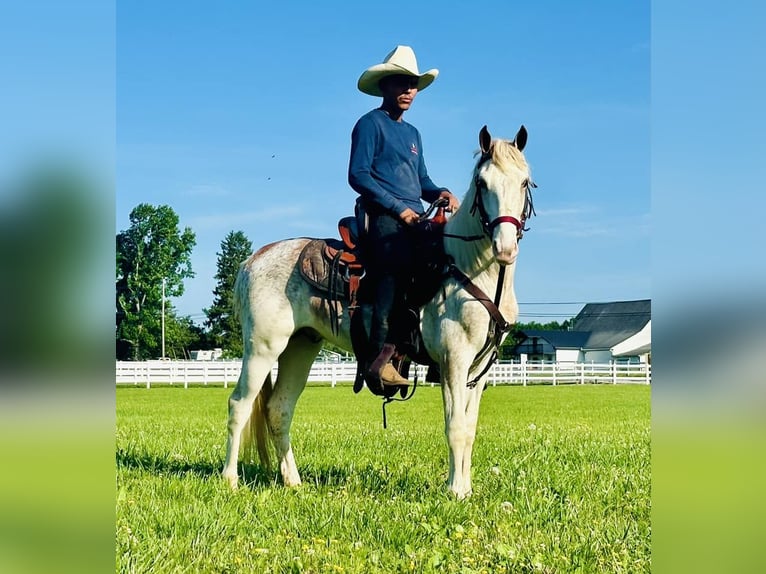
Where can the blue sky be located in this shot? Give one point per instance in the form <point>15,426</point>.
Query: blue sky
<point>239,114</point>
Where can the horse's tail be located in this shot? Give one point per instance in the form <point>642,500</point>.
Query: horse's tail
<point>255,436</point>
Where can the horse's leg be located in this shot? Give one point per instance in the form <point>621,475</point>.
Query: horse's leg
<point>454,396</point>
<point>294,366</point>
<point>471,419</point>
<point>255,369</point>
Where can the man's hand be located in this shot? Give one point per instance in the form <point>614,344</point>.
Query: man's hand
<point>409,216</point>
<point>453,201</point>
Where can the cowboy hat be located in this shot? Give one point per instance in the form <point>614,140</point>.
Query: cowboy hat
<point>401,60</point>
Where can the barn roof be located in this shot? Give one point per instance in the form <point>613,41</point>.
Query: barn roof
<point>560,339</point>
<point>611,323</point>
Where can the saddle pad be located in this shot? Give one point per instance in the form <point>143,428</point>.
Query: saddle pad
<point>319,272</point>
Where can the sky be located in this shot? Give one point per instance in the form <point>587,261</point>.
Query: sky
<point>239,115</point>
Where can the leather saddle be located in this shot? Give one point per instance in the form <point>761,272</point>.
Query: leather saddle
<point>333,266</point>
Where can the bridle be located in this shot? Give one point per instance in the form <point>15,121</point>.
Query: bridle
<point>478,205</point>
<point>488,225</point>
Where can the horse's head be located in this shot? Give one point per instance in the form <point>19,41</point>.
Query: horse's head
<point>502,197</point>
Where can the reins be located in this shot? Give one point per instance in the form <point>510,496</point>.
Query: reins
<point>498,325</point>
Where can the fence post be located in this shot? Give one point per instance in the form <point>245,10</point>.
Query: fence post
<point>186,375</point>
<point>225,378</point>
<point>333,375</point>
<point>555,368</point>
<point>582,373</point>
<point>148,382</point>
<point>614,372</point>
<point>524,373</point>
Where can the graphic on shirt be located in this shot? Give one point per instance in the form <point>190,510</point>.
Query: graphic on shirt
<point>414,148</point>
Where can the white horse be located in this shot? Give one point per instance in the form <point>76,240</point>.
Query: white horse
<point>284,319</point>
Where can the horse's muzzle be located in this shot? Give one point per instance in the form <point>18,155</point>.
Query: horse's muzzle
<point>503,259</point>
<point>505,249</point>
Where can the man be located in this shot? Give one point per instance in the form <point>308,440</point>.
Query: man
<point>387,169</point>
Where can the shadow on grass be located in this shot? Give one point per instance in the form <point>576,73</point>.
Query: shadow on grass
<point>165,465</point>
<point>207,470</point>
<point>371,479</point>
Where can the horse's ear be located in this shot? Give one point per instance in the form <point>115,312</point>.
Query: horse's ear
<point>484,140</point>
<point>521,138</point>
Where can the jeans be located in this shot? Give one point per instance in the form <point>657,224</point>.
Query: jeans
<point>389,259</point>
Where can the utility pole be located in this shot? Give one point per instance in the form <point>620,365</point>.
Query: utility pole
<point>163,318</point>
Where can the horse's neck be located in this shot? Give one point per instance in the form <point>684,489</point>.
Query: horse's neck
<point>476,260</point>
<point>472,257</point>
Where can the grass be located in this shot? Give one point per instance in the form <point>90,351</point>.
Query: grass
<point>561,484</point>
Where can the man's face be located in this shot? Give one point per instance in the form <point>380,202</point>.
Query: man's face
<point>399,90</point>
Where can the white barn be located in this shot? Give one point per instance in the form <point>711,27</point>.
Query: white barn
<point>602,332</point>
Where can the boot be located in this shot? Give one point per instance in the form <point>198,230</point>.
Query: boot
<point>382,370</point>
<point>389,376</point>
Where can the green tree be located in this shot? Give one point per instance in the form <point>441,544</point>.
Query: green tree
<point>182,335</point>
<point>222,323</point>
<point>151,250</point>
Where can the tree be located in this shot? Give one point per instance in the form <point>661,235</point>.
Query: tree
<point>181,334</point>
<point>223,326</point>
<point>151,250</point>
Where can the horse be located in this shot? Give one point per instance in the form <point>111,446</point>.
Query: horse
<point>284,320</point>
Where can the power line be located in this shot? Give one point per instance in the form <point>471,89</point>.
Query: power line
<point>555,303</point>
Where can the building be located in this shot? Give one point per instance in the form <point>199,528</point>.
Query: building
<point>206,355</point>
<point>601,332</point>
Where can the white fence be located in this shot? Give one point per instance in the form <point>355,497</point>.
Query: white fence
<point>148,373</point>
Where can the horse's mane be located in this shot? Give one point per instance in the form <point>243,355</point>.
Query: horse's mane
<point>505,154</point>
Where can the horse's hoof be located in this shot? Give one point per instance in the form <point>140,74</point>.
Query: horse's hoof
<point>231,481</point>
<point>460,494</point>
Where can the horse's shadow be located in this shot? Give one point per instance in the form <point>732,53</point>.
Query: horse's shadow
<point>252,474</point>
<point>168,464</point>
<point>368,478</point>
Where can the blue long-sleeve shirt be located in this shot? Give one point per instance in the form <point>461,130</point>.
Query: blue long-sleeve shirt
<point>387,166</point>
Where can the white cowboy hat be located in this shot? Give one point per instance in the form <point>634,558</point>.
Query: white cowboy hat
<point>401,60</point>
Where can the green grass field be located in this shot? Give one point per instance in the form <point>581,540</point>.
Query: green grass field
<point>561,479</point>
